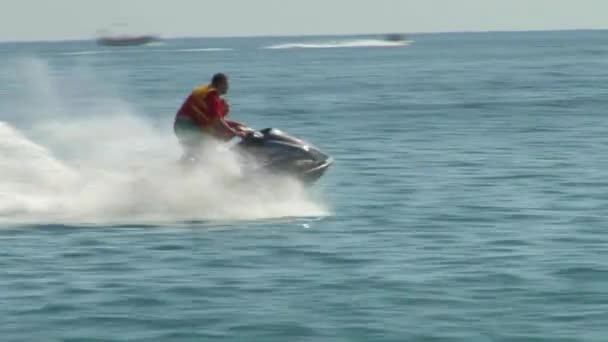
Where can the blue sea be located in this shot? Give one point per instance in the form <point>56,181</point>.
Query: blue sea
<point>468,200</point>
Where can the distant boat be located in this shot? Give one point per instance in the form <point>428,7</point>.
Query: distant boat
<point>394,37</point>
<point>127,40</point>
<point>105,38</point>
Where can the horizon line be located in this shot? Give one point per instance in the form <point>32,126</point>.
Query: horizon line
<point>239,36</point>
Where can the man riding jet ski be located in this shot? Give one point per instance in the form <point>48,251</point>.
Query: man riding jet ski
<point>202,118</point>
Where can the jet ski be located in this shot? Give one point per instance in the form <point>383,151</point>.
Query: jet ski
<point>272,151</point>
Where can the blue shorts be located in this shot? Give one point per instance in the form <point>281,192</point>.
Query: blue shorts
<point>189,135</point>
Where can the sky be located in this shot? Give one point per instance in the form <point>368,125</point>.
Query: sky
<point>82,19</point>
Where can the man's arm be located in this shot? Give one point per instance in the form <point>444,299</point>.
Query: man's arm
<point>215,108</point>
<point>235,124</point>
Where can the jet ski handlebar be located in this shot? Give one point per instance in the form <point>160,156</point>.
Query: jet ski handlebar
<point>250,133</point>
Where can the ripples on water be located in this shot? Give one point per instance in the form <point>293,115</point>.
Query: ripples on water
<point>467,202</point>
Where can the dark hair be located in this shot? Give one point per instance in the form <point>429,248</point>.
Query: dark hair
<point>218,79</point>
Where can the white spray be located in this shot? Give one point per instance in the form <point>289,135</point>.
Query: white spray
<point>99,162</point>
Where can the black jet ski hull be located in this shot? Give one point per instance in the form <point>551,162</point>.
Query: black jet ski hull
<point>312,175</point>
<point>275,152</point>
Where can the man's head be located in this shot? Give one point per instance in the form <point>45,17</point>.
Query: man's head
<point>220,82</point>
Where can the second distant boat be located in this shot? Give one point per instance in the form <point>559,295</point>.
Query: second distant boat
<point>394,37</point>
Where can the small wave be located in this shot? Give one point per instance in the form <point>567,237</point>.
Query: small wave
<point>155,44</point>
<point>339,44</point>
<point>100,52</point>
<point>85,53</point>
<point>201,50</point>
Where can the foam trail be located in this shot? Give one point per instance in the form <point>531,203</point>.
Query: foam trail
<point>339,44</point>
<point>58,170</point>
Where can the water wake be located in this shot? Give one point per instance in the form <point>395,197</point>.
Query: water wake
<point>340,44</point>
